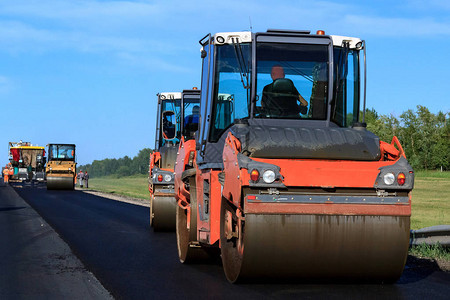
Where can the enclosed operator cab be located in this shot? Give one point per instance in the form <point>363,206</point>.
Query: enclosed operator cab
<point>61,167</point>
<point>288,182</point>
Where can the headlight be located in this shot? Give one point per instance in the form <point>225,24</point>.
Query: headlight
<point>70,169</point>
<point>269,176</point>
<point>167,177</point>
<point>389,178</point>
<point>220,39</point>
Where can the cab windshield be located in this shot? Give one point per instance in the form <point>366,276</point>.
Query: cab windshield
<point>231,87</point>
<point>171,105</point>
<point>191,114</point>
<point>61,152</point>
<point>291,81</point>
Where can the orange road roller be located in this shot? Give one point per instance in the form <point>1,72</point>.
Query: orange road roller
<point>170,125</point>
<point>283,176</point>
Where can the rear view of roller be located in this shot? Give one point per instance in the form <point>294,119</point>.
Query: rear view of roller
<point>61,167</point>
<point>283,177</point>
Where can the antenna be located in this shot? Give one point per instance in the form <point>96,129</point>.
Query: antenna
<point>250,20</point>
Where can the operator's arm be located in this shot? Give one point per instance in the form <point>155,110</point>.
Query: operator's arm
<point>302,100</point>
<point>303,103</point>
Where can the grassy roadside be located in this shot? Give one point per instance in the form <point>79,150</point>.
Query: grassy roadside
<point>132,186</point>
<point>430,205</point>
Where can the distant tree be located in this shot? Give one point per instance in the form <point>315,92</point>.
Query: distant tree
<point>370,116</point>
<point>385,127</point>
<point>124,166</point>
<point>140,161</point>
<point>123,171</point>
<point>424,136</point>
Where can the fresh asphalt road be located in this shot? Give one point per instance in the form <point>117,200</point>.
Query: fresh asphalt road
<point>114,242</point>
<point>35,263</point>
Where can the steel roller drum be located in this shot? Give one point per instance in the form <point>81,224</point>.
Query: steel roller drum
<point>163,213</point>
<point>60,183</point>
<point>355,248</point>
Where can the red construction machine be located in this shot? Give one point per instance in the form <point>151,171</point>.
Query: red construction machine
<point>177,116</point>
<point>283,176</point>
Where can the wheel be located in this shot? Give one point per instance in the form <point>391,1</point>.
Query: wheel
<point>231,241</point>
<point>188,250</point>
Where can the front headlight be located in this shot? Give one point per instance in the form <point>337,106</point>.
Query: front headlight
<point>389,178</point>
<point>269,176</point>
<point>167,177</point>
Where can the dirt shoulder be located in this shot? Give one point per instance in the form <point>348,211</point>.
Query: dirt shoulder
<point>117,197</point>
<point>425,263</point>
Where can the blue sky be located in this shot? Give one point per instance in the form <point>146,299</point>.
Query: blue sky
<point>87,72</point>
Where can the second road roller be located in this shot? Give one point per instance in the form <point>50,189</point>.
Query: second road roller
<point>61,167</point>
<point>175,118</point>
<point>283,177</point>
<point>162,161</point>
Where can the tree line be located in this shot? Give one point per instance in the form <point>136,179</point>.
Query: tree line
<point>424,136</point>
<point>124,166</point>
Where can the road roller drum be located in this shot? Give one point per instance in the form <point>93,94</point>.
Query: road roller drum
<point>162,213</point>
<point>357,248</point>
<point>60,183</point>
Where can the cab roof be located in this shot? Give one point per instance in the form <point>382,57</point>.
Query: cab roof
<point>169,95</point>
<point>246,37</point>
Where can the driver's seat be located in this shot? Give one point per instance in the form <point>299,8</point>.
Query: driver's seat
<point>282,99</point>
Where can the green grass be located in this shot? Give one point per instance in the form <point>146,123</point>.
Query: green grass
<point>430,197</point>
<point>132,186</point>
<point>431,251</point>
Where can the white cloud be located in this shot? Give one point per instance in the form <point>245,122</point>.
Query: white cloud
<point>141,29</point>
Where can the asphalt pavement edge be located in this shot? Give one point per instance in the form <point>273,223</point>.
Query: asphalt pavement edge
<point>35,261</point>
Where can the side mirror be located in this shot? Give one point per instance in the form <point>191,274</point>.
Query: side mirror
<point>169,125</point>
